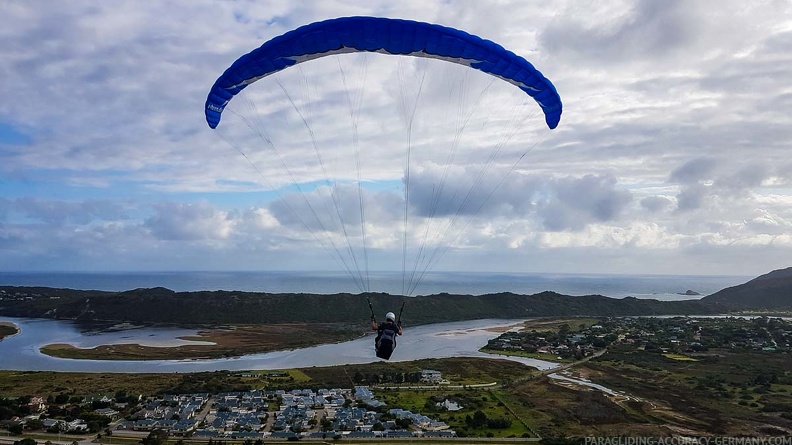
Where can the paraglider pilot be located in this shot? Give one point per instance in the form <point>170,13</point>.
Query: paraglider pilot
<point>385,342</point>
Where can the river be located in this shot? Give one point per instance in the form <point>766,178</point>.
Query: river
<point>21,351</point>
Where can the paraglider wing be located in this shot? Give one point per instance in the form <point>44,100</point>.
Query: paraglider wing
<point>382,35</point>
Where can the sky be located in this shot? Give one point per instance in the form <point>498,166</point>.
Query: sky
<point>673,154</point>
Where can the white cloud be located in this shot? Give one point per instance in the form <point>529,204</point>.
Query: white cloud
<point>187,222</point>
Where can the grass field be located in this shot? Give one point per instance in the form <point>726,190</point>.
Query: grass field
<point>680,357</point>
<point>19,383</point>
<point>555,323</point>
<point>536,355</point>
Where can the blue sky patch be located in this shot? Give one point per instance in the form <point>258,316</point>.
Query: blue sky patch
<point>10,135</point>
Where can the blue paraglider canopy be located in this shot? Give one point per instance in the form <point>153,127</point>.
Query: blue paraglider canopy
<point>388,36</point>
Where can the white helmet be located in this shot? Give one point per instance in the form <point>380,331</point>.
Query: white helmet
<point>390,316</point>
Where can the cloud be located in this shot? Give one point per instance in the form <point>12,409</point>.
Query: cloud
<point>621,31</point>
<point>189,222</point>
<point>693,171</point>
<point>767,222</point>
<point>53,212</point>
<point>691,197</point>
<point>747,177</point>
<point>655,204</point>
<point>581,201</point>
<point>472,190</point>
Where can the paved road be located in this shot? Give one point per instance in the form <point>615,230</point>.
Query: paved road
<point>430,387</point>
<point>565,366</point>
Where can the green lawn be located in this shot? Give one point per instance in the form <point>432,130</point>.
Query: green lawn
<point>495,404</point>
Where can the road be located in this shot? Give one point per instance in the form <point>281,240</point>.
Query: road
<point>565,366</point>
<point>431,387</point>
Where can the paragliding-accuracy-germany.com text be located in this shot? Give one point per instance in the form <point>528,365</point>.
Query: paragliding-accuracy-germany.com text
<point>712,440</point>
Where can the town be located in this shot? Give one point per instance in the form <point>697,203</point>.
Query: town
<point>298,413</point>
<point>668,335</point>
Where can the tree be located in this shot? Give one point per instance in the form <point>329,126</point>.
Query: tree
<point>499,423</point>
<point>478,420</point>
<point>156,437</point>
<point>403,422</point>
<point>6,412</point>
<point>358,377</point>
<point>34,424</point>
<point>94,426</point>
<point>15,429</point>
<point>326,424</point>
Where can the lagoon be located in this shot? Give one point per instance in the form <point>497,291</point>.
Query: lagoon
<point>458,339</point>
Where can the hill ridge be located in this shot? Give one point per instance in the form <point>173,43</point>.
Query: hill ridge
<point>772,290</point>
<point>158,305</point>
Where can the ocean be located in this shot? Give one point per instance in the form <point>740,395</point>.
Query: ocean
<point>661,287</point>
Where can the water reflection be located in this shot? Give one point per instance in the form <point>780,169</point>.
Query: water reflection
<point>457,339</point>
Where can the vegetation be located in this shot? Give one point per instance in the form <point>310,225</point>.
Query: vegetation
<point>6,330</point>
<point>68,409</point>
<point>159,305</point>
<point>721,393</point>
<point>481,413</point>
<point>724,376</point>
<point>556,339</point>
<point>460,370</point>
<point>15,384</point>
